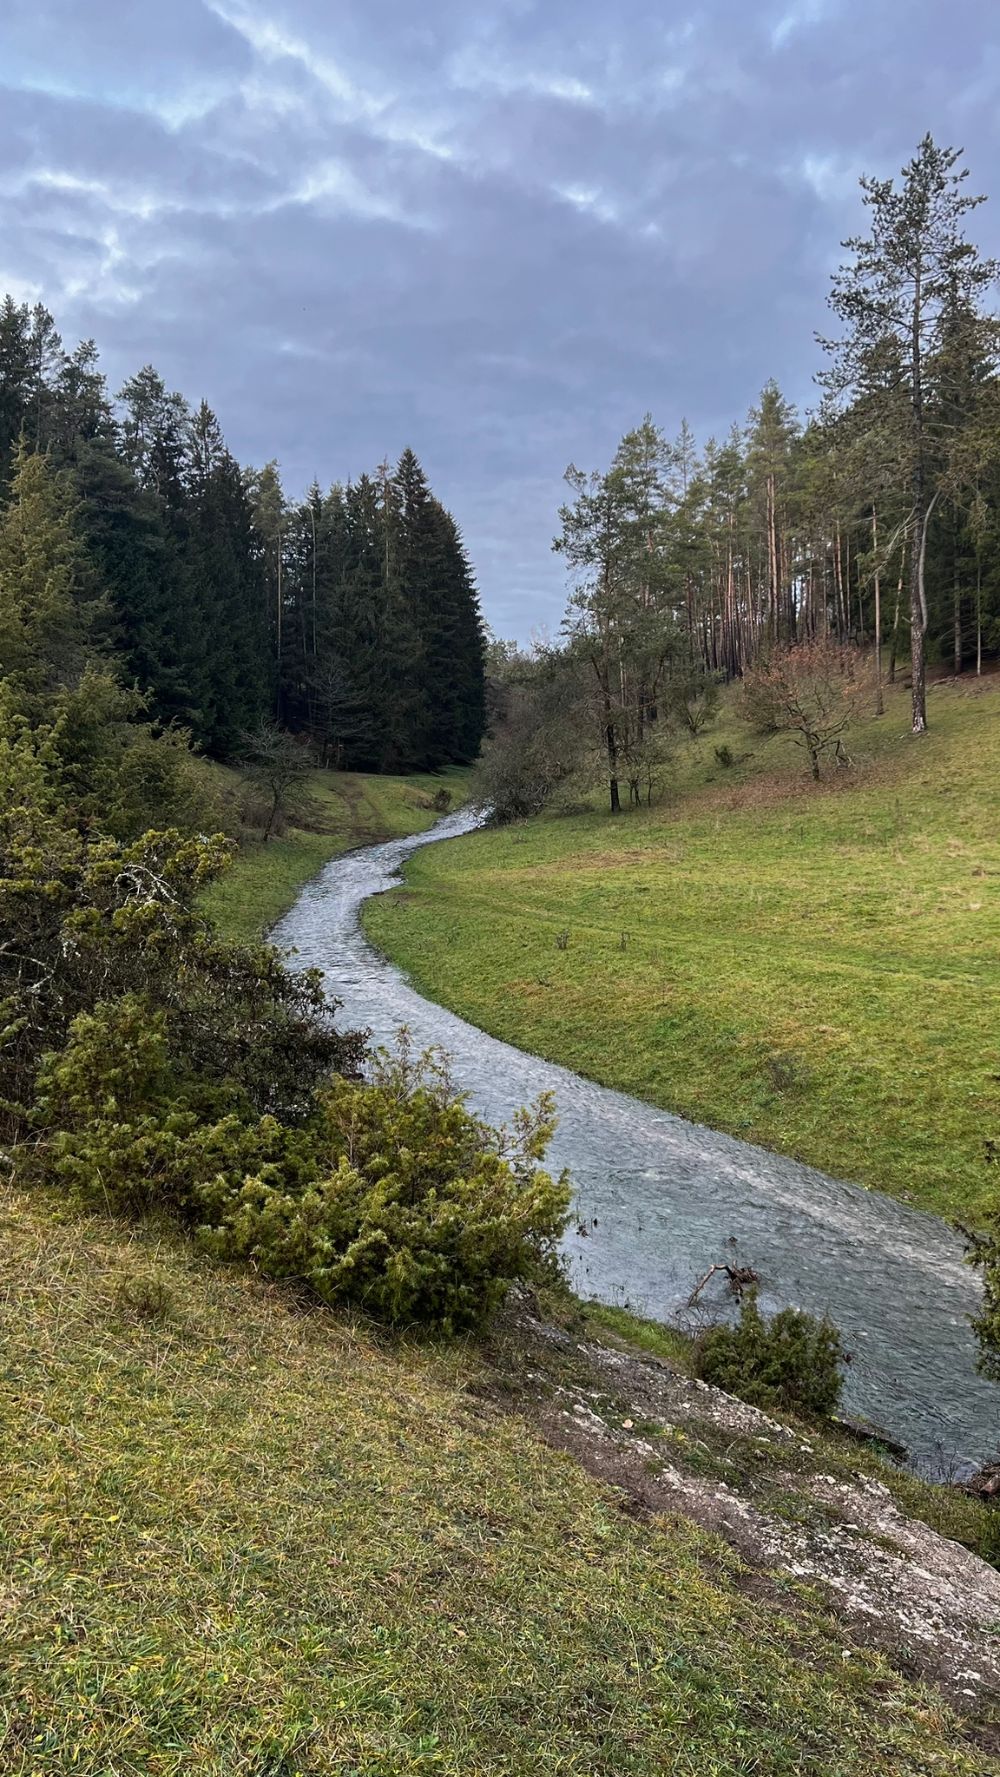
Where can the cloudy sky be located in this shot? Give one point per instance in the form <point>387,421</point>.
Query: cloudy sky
<point>498,231</point>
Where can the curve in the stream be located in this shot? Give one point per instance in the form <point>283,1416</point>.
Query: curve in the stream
<point>663,1199</point>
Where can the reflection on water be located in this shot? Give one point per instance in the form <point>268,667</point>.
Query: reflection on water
<point>669,1198</point>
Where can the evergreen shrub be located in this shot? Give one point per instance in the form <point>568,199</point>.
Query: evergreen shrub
<point>414,1211</point>
<point>792,1363</point>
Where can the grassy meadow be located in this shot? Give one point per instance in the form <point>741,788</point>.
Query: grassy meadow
<point>243,1537</point>
<point>346,809</point>
<point>812,967</point>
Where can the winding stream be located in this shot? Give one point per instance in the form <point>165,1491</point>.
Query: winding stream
<point>663,1199</point>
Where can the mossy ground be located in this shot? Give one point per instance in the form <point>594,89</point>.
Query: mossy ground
<point>347,809</point>
<point>243,1537</point>
<point>812,967</point>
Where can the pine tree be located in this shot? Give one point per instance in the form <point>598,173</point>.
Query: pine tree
<point>163,621</point>
<point>770,464</point>
<point>419,564</point>
<point>893,300</point>
<point>468,662</point>
<point>81,410</point>
<point>353,616</point>
<point>15,378</point>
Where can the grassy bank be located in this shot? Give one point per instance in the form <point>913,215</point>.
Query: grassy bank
<point>816,968</point>
<point>348,809</point>
<point>243,1537</point>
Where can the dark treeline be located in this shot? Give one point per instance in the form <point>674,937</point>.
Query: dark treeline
<point>350,618</point>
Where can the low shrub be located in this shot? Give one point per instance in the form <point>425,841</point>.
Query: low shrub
<point>792,1363</point>
<point>121,772</point>
<point>126,1128</point>
<point>87,925</point>
<point>391,1196</point>
<point>416,1212</point>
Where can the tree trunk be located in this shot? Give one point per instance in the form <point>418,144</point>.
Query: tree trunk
<point>918,620</point>
<point>918,662</point>
<point>956,614</point>
<point>895,615</point>
<point>312,511</point>
<point>772,550</point>
<point>277,704</point>
<point>838,584</point>
<point>847,584</point>
<point>879,699</point>
<point>921,517</point>
<point>611,742</point>
<point>616,805</point>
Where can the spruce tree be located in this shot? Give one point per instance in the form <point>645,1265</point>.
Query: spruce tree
<point>226,577</point>
<point>352,617</point>
<point>163,621</point>
<point>270,523</point>
<point>49,606</point>
<point>30,360</point>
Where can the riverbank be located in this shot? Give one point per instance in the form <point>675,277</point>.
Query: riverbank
<point>242,1533</point>
<point>812,968</point>
<point>347,809</point>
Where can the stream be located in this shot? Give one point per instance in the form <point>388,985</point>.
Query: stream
<point>662,1199</point>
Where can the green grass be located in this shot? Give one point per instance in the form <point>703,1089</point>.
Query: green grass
<point>242,1537</point>
<point>816,968</point>
<point>652,1336</point>
<point>349,809</point>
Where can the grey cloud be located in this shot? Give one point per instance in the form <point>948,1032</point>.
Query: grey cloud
<point>122,53</point>
<point>498,233</point>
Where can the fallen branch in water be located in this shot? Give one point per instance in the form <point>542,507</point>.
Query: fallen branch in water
<point>740,1278</point>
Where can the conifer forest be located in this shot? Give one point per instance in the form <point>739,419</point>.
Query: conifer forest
<point>349,617</point>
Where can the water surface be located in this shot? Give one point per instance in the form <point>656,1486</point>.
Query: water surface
<point>664,1199</point>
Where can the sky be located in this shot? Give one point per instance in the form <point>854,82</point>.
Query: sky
<point>500,232</point>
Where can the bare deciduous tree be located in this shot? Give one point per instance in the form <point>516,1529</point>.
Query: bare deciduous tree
<point>278,766</point>
<point>811,693</point>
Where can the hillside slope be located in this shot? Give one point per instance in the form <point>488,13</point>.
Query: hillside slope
<point>242,1536</point>
<point>815,968</point>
